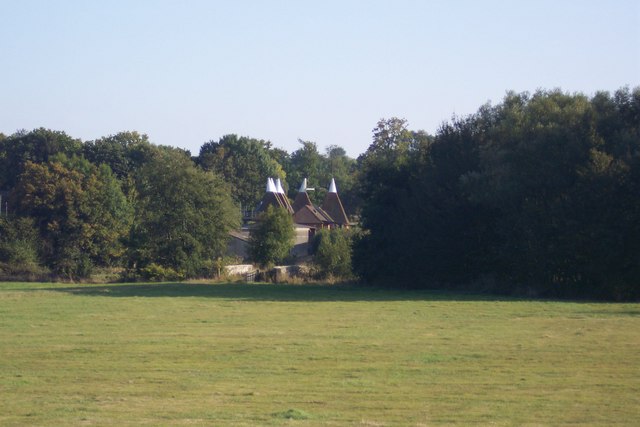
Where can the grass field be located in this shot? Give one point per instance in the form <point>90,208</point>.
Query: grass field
<point>238,354</point>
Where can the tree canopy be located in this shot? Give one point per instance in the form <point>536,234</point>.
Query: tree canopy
<point>536,194</point>
<point>183,215</point>
<point>79,210</point>
<point>245,163</point>
<point>271,238</point>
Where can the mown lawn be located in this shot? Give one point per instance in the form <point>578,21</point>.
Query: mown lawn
<point>238,354</point>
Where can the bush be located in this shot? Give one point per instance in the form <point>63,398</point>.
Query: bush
<point>332,253</point>
<point>157,273</point>
<point>271,239</point>
<point>24,273</point>
<point>18,242</point>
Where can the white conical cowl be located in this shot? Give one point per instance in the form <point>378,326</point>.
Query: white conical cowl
<point>271,186</point>
<point>303,186</point>
<point>332,187</point>
<point>279,188</point>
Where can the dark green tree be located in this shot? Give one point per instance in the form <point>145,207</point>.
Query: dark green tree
<point>307,162</point>
<point>283,158</point>
<point>271,238</point>
<point>124,152</point>
<point>389,201</point>
<point>244,163</point>
<point>332,253</point>
<point>536,194</point>
<point>36,146</point>
<point>79,210</point>
<point>342,168</point>
<point>19,243</point>
<point>183,215</point>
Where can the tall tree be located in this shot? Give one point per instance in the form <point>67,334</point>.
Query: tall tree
<point>537,193</point>
<point>79,209</point>
<point>245,163</point>
<point>19,243</point>
<point>124,152</point>
<point>343,169</point>
<point>271,239</point>
<point>332,252</point>
<point>390,201</point>
<point>183,215</point>
<point>307,162</point>
<point>36,146</point>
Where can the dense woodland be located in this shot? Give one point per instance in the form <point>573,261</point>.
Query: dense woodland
<point>537,195</point>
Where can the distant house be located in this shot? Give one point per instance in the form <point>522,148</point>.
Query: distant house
<point>330,215</point>
<point>332,205</point>
<point>274,196</point>
<point>307,217</point>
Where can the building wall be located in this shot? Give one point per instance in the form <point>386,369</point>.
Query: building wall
<point>238,245</point>
<point>301,241</point>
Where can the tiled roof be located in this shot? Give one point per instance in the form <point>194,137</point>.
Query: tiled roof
<point>333,206</point>
<point>309,215</point>
<point>302,199</point>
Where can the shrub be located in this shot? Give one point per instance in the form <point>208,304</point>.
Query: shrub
<point>271,239</point>
<point>18,242</point>
<point>158,273</point>
<point>332,253</point>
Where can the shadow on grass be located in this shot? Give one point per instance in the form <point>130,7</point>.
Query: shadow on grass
<point>266,292</point>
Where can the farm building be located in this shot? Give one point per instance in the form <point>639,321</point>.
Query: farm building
<point>307,217</point>
<point>330,214</point>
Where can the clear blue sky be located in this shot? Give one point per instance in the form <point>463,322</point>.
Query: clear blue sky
<point>186,72</point>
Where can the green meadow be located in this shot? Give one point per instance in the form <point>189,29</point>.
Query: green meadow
<point>310,355</point>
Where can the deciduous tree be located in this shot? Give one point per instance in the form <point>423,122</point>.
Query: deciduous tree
<point>271,238</point>
<point>183,215</point>
<point>79,210</point>
<point>244,163</point>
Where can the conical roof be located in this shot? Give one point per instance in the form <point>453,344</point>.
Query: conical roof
<point>281,194</point>
<point>271,186</point>
<point>303,186</point>
<point>311,216</point>
<point>272,197</point>
<point>333,205</point>
<point>302,200</point>
<point>332,186</point>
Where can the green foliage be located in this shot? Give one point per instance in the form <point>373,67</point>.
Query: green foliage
<point>244,163</point>
<point>18,241</point>
<point>271,238</point>
<point>125,153</point>
<point>332,252</point>
<point>538,193</point>
<point>307,162</point>
<point>183,215</point>
<point>79,210</point>
<point>344,170</point>
<point>158,273</point>
<point>36,146</point>
<point>391,215</point>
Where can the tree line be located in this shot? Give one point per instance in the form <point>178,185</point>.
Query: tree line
<point>536,195</point>
<point>70,206</point>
